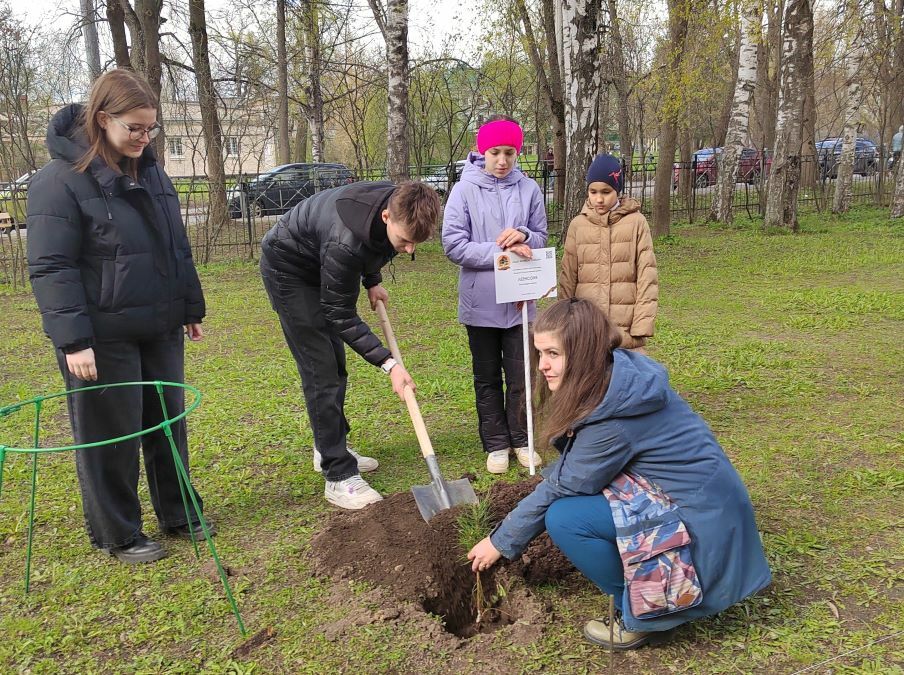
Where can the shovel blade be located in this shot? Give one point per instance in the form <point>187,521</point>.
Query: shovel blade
<point>430,498</point>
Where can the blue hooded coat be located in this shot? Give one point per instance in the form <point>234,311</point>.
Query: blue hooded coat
<point>644,427</point>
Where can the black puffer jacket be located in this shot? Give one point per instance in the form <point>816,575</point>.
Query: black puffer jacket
<point>108,257</point>
<point>337,241</point>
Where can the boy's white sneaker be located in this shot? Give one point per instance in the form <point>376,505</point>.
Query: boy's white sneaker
<point>365,464</point>
<point>352,493</point>
<point>523,455</point>
<point>498,461</point>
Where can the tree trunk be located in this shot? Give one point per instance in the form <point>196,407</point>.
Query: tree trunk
<point>784,179</point>
<point>582,68</point>
<point>115,19</point>
<point>300,147</point>
<point>148,12</point>
<point>620,81</point>
<point>720,130</point>
<point>397,111</point>
<point>210,121</point>
<point>687,178</point>
<point>314,91</point>
<point>808,161</point>
<point>89,32</point>
<point>559,34</point>
<point>844,182</point>
<point>769,53</point>
<point>136,32</point>
<point>668,135</point>
<point>282,136</point>
<point>549,82</point>
<point>551,10</point>
<point>739,123</point>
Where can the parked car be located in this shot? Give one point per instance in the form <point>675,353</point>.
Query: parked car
<point>278,190</point>
<point>439,178</point>
<point>706,167</point>
<point>828,154</point>
<point>13,197</point>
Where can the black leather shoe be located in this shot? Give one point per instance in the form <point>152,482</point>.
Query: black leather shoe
<point>185,531</point>
<point>142,550</point>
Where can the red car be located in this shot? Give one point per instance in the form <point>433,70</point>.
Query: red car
<point>705,167</point>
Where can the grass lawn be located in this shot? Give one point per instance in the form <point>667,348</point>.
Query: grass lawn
<point>789,346</point>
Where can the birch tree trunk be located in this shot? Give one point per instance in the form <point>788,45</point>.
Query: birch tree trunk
<point>282,85</point>
<point>89,32</point>
<point>314,91</point>
<point>397,113</point>
<point>210,121</point>
<point>784,178</point>
<point>583,83</point>
<point>844,182</point>
<point>739,123</point>
<point>679,12</point>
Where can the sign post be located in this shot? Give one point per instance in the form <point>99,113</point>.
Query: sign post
<point>522,280</point>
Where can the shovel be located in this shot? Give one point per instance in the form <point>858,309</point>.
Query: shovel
<point>440,494</point>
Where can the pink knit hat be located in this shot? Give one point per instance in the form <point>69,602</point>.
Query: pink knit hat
<point>499,132</point>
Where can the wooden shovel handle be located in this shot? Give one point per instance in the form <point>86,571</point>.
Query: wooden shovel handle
<point>388,332</point>
<point>414,410</point>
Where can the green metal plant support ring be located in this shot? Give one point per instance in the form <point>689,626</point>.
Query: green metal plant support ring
<point>188,494</point>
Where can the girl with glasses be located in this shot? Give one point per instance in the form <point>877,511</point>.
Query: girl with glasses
<point>113,275</point>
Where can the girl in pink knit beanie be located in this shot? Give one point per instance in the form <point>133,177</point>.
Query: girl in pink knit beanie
<point>493,208</point>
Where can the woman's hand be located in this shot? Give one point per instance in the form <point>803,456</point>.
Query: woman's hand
<point>509,237</point>
<point>523,250</point>
<point>82,365</point>
<point>194,332</point>
<point>484,555</point>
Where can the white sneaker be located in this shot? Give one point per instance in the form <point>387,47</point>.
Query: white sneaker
<point>523,455</point>
<point>352,493</point>
<point>498,461</point>
<point>365,464</point>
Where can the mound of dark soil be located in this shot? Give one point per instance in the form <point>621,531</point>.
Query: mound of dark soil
<point>389,545</point>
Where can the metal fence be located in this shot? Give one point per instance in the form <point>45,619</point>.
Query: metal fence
<point>254,203</point>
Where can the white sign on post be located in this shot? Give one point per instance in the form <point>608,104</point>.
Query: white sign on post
<point>519,280</point>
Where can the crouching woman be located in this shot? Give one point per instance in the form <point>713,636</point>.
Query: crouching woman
<point>642,499</point>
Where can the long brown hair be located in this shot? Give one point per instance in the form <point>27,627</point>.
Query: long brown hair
<point>116,92</point>
<point>587,339</point>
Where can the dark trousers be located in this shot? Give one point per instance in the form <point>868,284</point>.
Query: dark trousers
<point>320,356</point>
<point>108,474</point>
<point>501,414</point>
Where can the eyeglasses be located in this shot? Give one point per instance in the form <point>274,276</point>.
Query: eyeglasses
<point>136,131</point>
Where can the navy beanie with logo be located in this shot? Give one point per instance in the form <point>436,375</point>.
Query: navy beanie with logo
<point>606,169</point>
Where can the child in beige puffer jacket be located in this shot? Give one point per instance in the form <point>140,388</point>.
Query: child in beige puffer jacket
<point>609,256</point>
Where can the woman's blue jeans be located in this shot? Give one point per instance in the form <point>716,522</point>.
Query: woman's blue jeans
<point>583,529</point>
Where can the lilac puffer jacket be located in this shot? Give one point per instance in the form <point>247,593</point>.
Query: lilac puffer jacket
<point>480,207</point>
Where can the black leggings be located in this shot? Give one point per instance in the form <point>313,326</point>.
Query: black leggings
<point>502,416</point>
